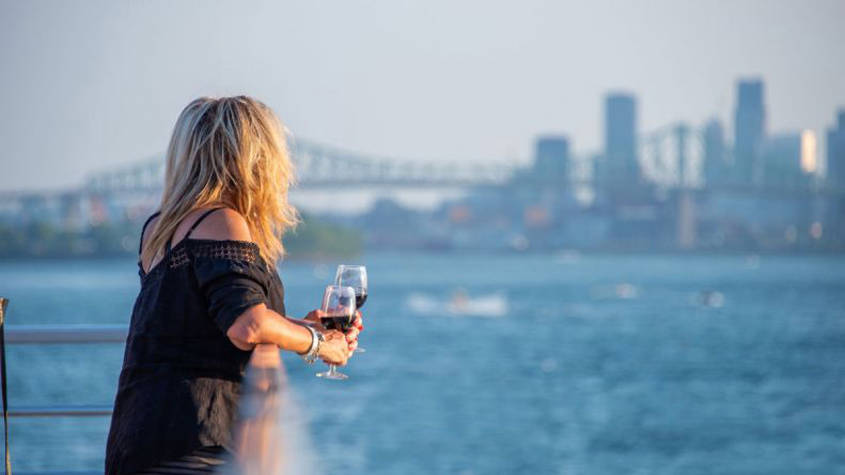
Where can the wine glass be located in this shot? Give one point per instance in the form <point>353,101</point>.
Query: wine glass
<point>338,314</point>
<point>355,277</point>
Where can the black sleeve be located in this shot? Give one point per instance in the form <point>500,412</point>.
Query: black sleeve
<point>230,286</point>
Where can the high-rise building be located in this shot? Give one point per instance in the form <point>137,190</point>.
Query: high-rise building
<point>787,160</point>
<point>836,152</point>
<point>620,139</point>
<point>551,158</point>
<point>716,166</point>
<point>749,130</point>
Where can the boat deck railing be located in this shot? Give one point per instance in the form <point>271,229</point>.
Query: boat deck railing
<point>260,404</point>
<point>63,334</point>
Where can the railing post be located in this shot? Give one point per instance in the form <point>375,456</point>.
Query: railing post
<point>3,303</point>
<point>259,436</point>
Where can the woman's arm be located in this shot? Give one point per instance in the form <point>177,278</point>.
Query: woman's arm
<point>258,324</point>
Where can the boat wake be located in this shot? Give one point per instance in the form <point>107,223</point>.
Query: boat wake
<point>460,304</point>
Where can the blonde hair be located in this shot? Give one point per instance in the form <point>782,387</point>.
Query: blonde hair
<point>229,151</point>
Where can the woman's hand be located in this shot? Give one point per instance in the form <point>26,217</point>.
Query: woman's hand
<point>314,317</point>
<point>335,348</point>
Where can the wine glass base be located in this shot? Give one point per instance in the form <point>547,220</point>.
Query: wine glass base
<point>330,375</point>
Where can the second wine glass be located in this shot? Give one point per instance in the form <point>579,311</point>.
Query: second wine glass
<point>354,276</point>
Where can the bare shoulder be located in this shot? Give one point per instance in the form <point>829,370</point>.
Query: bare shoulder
<point>223,224</point>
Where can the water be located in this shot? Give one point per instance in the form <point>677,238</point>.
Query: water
<point>601,364</point>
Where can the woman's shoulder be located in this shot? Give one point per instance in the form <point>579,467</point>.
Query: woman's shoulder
<point>221,224</point>
<point>214,240</point>
<point>222,234</point>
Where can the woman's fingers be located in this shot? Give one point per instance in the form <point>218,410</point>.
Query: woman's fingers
<point>315,316</point>
<point>352,333</point>
<point>336,363</point>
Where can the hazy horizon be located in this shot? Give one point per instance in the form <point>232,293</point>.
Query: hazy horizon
<point>94,85</point>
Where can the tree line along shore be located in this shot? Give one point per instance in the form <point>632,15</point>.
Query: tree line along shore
<point>311,239</point>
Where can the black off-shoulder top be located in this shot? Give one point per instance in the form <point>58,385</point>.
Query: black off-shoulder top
<point>181,377</point>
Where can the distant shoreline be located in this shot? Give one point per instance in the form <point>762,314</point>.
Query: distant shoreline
<point>561,254</point>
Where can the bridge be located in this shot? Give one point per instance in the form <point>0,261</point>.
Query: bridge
<point>317,165</point>
<point>322,166</point>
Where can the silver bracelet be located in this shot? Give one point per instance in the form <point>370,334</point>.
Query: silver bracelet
<point>316,338</point>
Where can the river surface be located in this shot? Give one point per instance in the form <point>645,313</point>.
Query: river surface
<point>523,364</point>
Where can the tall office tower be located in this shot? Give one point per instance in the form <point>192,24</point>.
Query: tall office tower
<point>787,160</point>
<point>551,158</point>
<point>716,166</point>
<point>836,152</point>
<point>749,130</point>
<point>620,139</point>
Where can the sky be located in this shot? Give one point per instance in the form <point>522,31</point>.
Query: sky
<point>88,86</point>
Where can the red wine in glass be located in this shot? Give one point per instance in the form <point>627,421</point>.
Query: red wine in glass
<point>342,323</point>
<point>360,298</point>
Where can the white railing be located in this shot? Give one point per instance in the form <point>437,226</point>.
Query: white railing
<point>76,334</point>
<point>66,333</point>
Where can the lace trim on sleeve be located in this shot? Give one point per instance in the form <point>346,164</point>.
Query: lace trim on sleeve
<point>242,251</point>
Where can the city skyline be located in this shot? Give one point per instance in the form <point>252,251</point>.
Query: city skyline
<point>744,160</point>
<point>105,80</point>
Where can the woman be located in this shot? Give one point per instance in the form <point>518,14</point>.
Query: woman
<point>209,290</point>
